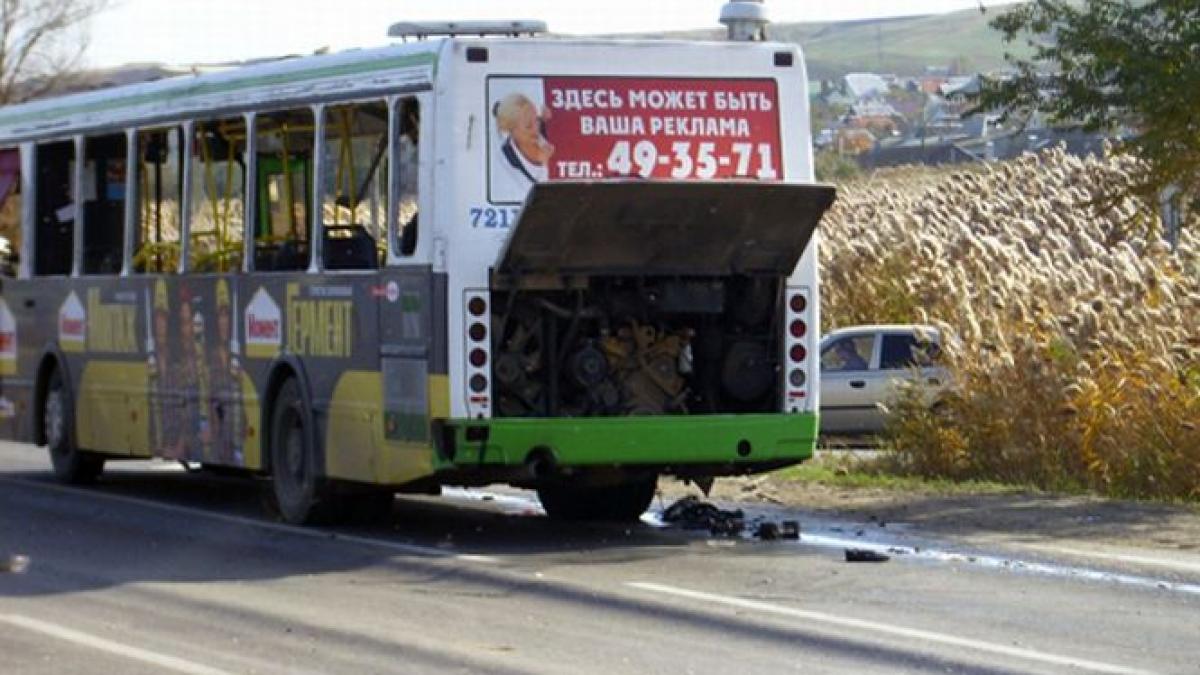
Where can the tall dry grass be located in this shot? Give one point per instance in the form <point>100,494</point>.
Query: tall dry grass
<point>1077,350</point>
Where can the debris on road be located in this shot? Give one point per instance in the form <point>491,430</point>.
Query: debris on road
<point>16,564</point>
<point>690,513</point>
<point>790,529</point>
<point>770,531</point>
<point>767,531</point>
<point>865,555</point>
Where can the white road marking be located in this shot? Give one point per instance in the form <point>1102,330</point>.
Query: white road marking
<point>312,533</point>
<point>87,640</point>
<point>887,629</point>
<point>1174,563</point>
<point>1005,563</point>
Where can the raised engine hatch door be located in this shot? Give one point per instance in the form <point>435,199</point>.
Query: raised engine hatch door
<point>663,228</point>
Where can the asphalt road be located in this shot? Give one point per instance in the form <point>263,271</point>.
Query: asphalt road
<point>158,571</point>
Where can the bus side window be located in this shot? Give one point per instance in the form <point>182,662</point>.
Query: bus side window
<point>216,220</point>
<point>10,210</point>
<point>407,177</point>
<point>284,185</point>
<point>160,189</point>
<point>104,204</point>
<point>354,209</point>
<point>54,236</point>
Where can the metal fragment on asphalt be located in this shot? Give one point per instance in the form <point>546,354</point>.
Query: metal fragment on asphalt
<point>865,555</point>
<point>16,564</point>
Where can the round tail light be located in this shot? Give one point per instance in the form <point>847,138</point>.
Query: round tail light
<point>796,378</point>
<point>478,383</point>
<point>478,357</point>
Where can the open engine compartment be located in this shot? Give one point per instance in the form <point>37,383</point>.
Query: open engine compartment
<point>626,345</point>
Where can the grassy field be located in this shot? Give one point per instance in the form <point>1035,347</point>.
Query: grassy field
<point>903,46</point>
<point>1076,327</point>
<point>843,471</point>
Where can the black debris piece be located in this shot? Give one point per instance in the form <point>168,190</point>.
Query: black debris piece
<point>16,564</point>
<point>789,529</point>
<point>767,531</point>
<point>865,555</point>
<point>690,513</point>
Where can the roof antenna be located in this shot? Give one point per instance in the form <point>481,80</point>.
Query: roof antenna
<point>746,20</point>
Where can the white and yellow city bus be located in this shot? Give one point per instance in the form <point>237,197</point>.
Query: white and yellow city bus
<point>567,264</point>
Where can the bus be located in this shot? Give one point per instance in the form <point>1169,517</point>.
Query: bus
<point>481,256</point>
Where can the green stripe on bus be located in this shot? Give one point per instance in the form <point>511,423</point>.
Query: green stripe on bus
<point>677,440</point>
<point>203,89</point>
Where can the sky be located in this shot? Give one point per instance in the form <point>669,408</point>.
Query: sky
<point>213,31</point>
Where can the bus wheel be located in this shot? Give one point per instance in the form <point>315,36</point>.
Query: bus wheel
<point>71,465</point>
<point>299,491</point>
<point>622,502</point>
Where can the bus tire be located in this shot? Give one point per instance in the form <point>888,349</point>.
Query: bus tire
<point>71,465</point>
<point>299,491</point>
<point>623,502</point>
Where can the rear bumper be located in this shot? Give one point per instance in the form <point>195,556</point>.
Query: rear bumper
<point>677,441</point>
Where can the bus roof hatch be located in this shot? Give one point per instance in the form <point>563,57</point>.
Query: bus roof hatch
<point>632,228</point>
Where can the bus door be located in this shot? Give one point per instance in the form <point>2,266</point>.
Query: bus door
<point>411,297</point>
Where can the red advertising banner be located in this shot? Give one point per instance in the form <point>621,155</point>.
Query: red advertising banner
<point>662,128</point>
<point>553,128</point>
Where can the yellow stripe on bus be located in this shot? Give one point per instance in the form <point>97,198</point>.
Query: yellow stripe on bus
<point>355,446</point>
<point>112,409</point>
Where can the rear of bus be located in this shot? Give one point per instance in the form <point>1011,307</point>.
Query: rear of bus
<point>628,238</point>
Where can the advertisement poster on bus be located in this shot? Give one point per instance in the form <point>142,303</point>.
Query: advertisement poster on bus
<point>8,340</point>
<point>589,128</point>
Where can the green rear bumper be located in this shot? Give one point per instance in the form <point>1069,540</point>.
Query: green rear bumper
<point>675,441</point>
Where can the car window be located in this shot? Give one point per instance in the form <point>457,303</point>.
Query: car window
<point>905,351</point>
<point>848,354</point>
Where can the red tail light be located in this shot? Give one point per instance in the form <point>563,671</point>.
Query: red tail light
<point>795,348</point>
<point>477,369</point>
<point>797,353</point>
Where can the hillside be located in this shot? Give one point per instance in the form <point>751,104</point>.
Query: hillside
<point>901,45</point>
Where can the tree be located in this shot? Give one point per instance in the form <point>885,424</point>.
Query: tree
<point>41,44</point>
<point>1109,64</point>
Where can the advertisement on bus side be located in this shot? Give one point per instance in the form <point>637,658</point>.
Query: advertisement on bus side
<point>587,128</point>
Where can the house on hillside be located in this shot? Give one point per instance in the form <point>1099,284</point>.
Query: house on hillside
<point>878,116</point>
<point>864,86</point>
<point>994,145</point>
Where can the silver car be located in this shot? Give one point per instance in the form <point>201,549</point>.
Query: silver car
<point>861,367</point>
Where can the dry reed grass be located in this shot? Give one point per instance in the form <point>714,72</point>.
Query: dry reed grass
<point>1077,359</point>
